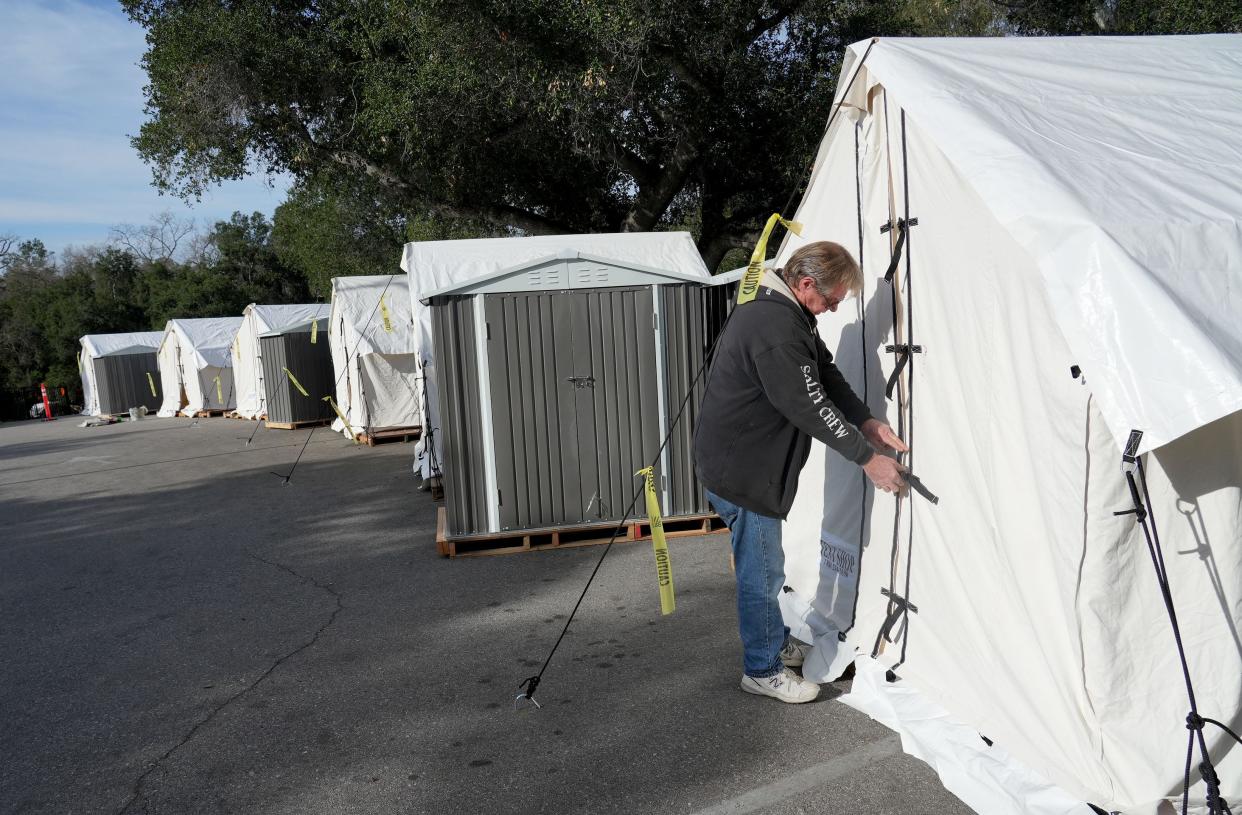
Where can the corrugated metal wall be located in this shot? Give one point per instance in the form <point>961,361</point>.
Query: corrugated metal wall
<point>310,363</point>
<point>457,381</point>
<point>693,316</point>
<point>122,382</point>
<point>574,402</point>
<point>573,395</point>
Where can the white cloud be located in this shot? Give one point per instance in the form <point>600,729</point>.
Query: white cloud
<point>71,90</point>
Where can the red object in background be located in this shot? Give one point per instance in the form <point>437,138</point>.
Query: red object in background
<point>47,405</point>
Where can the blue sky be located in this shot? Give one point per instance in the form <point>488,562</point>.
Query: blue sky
<point>70,99</point>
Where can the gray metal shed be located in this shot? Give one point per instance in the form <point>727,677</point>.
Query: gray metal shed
<point>310,363</point>
<point>122,380</point>
<point>558,380</point>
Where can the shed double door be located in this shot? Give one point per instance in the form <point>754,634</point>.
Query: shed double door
<point>574,402</point>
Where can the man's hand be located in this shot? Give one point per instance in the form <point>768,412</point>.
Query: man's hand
<point>885,473</point>
<point>882,436</point>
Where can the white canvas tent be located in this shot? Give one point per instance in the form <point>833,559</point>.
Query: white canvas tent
<point>196,370</point>
<point>1078,203</point>
<point>433,266</point>
<point>95,346</point>
<point>247,364</point>
<point>373,353</point>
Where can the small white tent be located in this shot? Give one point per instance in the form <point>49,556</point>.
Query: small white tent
<point>196,368</point>
<point>373,359</point>
<point>1078,206</point>
<point>439,265</point>
<point>247,364</point>
<point>96,346</point>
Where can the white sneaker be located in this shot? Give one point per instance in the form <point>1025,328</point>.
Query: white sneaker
<point>785,686</point>
<point>794,653</point>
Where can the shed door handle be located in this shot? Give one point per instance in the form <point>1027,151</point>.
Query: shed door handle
<point>581,382</point>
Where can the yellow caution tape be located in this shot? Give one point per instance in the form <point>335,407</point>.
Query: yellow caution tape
<point>664,566</point>
<point>295,382</point>
<point>219,392</point>
<point>151,382</point>
<point>754,270</point>
<point>314,332</point>
<point>341,416</point>
<point>387,317</point>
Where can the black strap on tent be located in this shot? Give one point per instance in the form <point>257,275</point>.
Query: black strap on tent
<point>1136,479</point>
<point>899,605</point>
<point>903,351</point>
<point>903,224</point>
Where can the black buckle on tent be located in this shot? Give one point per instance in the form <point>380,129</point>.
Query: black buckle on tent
<point>1128,457</point>
<point>902,226</point>
<point>900,606</point>
<point>905,352</point>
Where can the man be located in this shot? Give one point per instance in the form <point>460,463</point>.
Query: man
<point>771,388</point>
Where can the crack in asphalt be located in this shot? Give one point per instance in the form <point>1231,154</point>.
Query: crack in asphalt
<point>137,791</point>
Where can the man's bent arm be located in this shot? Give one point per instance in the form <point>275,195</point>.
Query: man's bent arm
<point>790,380</point>
<point>839,391</point>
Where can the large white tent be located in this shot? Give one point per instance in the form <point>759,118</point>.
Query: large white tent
<point>247,364</point>
<point>1078,206</point>
<point>196,368</point>
<point>433,266</point>
<point>95,346</point>
<point>372,341</point>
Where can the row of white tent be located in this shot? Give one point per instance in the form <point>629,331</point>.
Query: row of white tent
<point>214,363</point>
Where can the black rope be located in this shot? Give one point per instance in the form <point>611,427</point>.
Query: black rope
<point>349,358</point>
<point>909,439</point>
<point>793,194</point>
<point>1145,516</point>
<point>531,683</point>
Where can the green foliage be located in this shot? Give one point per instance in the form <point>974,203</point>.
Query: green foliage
<point>532,115</point>
<point>1122,16</point>
<point>46,304</point>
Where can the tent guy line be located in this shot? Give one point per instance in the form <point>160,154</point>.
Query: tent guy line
<point>344,371</point>
<point>531,683</point>
<point>1144,514</point>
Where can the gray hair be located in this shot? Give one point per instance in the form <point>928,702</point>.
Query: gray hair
<point>828,264</point>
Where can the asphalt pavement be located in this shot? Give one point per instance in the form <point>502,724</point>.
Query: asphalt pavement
<point>183,632</point>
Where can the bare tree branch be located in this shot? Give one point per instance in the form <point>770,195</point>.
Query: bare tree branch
<point>158,240</point>
<point>7,242</point>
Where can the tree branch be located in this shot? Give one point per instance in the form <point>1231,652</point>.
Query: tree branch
<point>763,25</point>
<point>500,214</point>
<point>683,71</point>
<point>653,198</point>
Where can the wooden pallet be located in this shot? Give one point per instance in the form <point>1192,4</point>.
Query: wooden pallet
<point>374,437</point>
<point>565,537</point>
<point>296,425</point>
<point>203,414</point>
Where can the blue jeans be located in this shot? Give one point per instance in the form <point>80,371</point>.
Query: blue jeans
<point>759,563</point>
